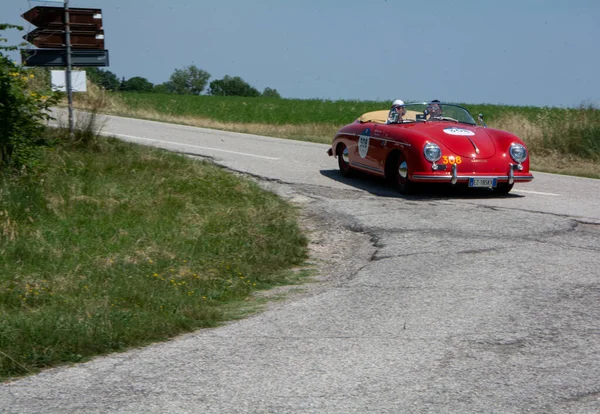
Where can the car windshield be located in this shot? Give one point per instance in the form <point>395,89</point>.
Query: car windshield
<point>430,112</point>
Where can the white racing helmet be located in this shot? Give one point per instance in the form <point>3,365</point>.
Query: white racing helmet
<point>397,111</point>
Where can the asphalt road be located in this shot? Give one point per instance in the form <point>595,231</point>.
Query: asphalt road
<point>439,302</point>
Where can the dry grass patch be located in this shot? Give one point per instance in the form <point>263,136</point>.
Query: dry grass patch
<point>553,162</point>
<point>9,227</point>
<point>531,133</point>
<point>539,135</point>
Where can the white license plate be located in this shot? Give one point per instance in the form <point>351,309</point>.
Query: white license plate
<point>482,182</point>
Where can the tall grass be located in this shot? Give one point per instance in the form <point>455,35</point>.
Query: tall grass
<point>573,132</point>
<point>107,249</point>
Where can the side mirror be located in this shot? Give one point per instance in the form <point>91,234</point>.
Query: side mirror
<point>481,120</point>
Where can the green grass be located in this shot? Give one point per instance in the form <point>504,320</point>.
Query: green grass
<point>252,110</point>
<point>125,245</point>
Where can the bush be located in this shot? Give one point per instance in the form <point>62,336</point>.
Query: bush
<point>235,86</point>
<point>23,110</point>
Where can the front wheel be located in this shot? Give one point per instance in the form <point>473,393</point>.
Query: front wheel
<point>344,161</point>
<point>398,173</point>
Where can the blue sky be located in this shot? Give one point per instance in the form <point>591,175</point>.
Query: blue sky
<point>518,52</point>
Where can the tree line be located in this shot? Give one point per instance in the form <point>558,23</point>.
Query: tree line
<point>189,80</point>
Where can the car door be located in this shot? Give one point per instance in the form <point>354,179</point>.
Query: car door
<point>377,148</point>
<point>363,156</point>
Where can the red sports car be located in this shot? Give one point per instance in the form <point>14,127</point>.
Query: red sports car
<point>431,142</point>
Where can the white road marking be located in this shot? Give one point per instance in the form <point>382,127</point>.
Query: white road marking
<point>194,146</point>
<point>535,192</point>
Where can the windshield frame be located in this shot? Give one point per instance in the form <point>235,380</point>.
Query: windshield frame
<point>420,115</point>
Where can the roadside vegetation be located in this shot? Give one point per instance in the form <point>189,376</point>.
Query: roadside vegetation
<point>123,245</point>
<point>106,245</point>
<point>563,141</point>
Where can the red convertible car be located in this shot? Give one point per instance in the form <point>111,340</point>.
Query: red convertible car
<point>431,143</point>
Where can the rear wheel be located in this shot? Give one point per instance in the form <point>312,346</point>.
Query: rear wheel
<point>397,172</point>
<point>344,161</point>
<point>503,188</point>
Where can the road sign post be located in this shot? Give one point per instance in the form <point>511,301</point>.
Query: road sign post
<point>68,80</point>
<point>65,37</point>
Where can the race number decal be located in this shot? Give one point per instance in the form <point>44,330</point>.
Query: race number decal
<point>459,131</point>
<point>451,159</point>
<point>363,143</point>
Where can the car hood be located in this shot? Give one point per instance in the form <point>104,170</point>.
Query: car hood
<point>461,139</point>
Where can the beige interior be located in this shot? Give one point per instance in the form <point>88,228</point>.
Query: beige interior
<point>380,117</point>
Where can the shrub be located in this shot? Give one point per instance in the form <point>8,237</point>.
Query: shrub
<point>23,110</point>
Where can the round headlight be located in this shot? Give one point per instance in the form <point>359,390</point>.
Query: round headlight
<point>518,152</point>
<point>432,152</point>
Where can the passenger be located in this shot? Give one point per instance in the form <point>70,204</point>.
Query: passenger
<point>396,112</point>
<point>434,110</point>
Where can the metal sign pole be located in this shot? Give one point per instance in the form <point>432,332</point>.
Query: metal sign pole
<point>68,82</point>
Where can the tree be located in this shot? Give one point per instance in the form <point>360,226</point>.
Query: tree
<point>136,84</point>
<point>189,80</point>
<point>235,86</point>
<point>271,93</point>
<point>166,87</point>
<point>103,78</point>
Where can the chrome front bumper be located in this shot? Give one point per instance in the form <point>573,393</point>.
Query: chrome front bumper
<point>455,177</point>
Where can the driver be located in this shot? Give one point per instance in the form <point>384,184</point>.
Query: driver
<point>397,111</point>
<point>434,110</point>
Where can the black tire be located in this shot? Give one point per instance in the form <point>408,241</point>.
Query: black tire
<point>344,165</point>
<point>397,172</point>
<point>503,188</point>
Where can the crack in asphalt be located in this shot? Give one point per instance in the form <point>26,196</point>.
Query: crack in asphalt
<point>548,213</point>
<point>584,396</point>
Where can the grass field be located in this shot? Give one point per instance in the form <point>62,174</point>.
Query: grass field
<point>561,140</point>
<point>118,247</point>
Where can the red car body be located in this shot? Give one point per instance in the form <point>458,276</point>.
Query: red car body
<point>468,154</point>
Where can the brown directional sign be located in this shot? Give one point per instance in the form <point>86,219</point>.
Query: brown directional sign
<point>53,38</point>
<point>53,17</point>
<point>58,57</point>
<point>86,37</point>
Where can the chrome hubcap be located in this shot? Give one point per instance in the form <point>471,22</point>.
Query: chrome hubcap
<point>345,155</point>
<point>403,169</point>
